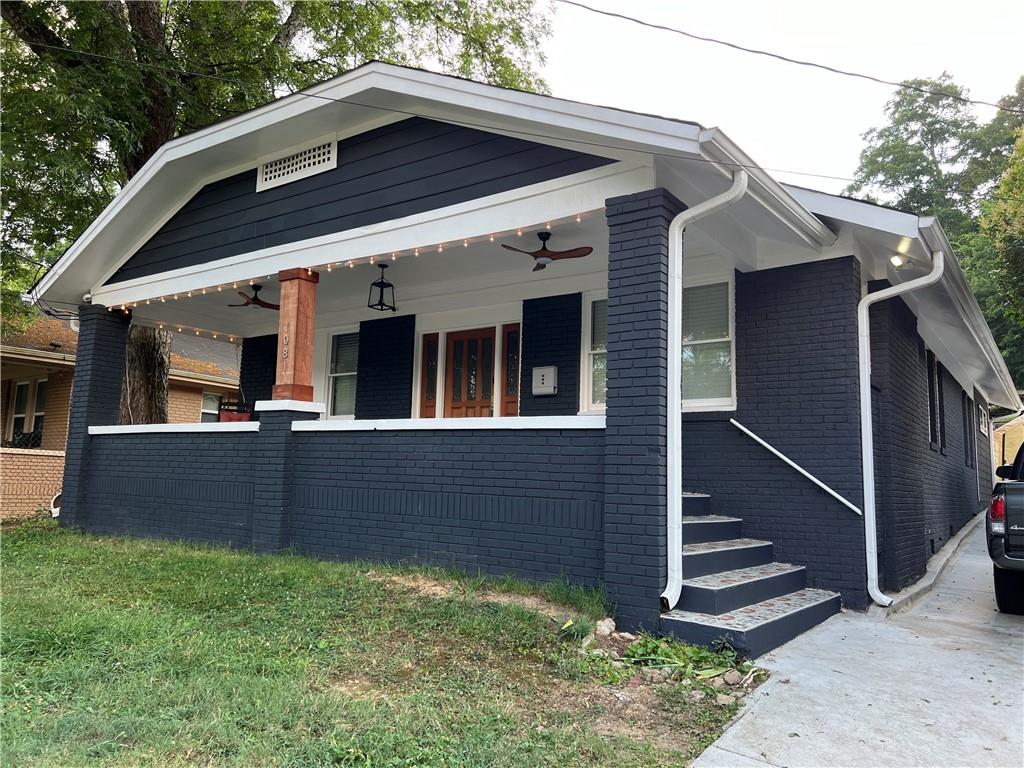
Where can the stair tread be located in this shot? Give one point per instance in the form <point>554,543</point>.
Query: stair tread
<point>719,546</point>
<point>691,519</point>
<point>751,616</point>
<point>726,579</point>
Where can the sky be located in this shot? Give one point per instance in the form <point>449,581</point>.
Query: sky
<point>784,116</point>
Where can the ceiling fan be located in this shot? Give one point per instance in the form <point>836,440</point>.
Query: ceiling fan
<point>542,256</point>
<point>255,300</point>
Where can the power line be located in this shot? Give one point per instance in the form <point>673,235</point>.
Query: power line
<point>466,123</point>
<point>790,60</point>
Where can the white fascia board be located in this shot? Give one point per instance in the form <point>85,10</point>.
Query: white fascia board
<point>197,428</point>
<point>857,212</point>
<point>486,105</point>
<point>526,206</point>
<point>719,148</point>
<point>446,424</point>
<point>24,355</point>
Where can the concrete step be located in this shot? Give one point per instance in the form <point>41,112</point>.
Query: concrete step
<point>719,593</point>
<point>758,628</point>
<point>729,555</point>
<point>696,504</point>
<point>698,529</point>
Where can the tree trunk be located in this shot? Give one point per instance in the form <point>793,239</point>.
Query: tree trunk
<point>147,366</point>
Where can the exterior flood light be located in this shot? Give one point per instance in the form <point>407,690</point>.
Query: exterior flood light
<point>897,260</point>
<point>385,293</point>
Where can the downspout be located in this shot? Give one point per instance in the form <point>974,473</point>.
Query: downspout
<point>867,438</point>
<point>674,427</point>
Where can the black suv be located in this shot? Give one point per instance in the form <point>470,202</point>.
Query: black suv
<point>1004,526</point>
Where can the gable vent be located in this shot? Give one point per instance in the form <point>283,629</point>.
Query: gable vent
<point>298,165</point>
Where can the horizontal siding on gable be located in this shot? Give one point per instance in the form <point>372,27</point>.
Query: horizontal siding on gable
<point>398,170</point>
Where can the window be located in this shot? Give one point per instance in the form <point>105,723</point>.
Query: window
<point>19,413</point>
<point>936,423</point>
<point>970,444</point>
<point>708,347</point>
<point>210,409</point>
<point>342,375</point>
<point>707,353</point>
<point>39,410</point>
<point>982,419</point>
<point>597,354</point>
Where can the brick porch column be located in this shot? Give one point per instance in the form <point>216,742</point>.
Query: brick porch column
<point>636,446</point>
<point>295,335</point>
<point>95,398</point>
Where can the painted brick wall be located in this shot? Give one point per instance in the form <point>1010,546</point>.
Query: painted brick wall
<point>551,336</point>
<point>135,486</point>
<point>29,478</point>
<point>258,368</point>
<point>796,380</point>
<point>384,376</point>
<point>524,502</point>
<point>636,448</point>
<point>95,399</point>
<point>925,495</point>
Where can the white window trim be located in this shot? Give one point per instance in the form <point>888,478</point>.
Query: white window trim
<point>36,413</point>
<point>202,401</point>
<point>689,406</point>
<point>705,405</point>
<point>29,406</point>
<point>586,371</point>
<point>327,371</point>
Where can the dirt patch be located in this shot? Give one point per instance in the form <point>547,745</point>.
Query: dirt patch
<point>423,585</point>
<point>355,687</point>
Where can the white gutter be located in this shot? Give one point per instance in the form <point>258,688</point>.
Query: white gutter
<point>674,426</point>
<point>867,438</point>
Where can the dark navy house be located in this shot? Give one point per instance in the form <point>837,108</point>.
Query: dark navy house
<point>735,404</point>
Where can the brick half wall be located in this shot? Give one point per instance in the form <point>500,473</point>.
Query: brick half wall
<point>31,478</point>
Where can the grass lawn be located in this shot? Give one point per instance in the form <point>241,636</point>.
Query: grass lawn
<point>138,653</point>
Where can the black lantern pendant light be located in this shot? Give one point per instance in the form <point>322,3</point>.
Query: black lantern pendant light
<point>385,292</point>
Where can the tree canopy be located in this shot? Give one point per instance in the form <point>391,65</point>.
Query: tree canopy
<point>934,157</point>
<point>92,89</point>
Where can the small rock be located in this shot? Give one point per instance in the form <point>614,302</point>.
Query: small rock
<point>696,695</point>
<point>724,700</point>
<point>601,653</point>
<point>717,683</point>
<point>733,677</point>
<point>604,627</point>
<point>627,637</point>
<point>613,653</point>
<point>587,641</point>
<point>634,682</point>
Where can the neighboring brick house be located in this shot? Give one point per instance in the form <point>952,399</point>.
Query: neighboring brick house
<point>35,394</point>
<point>1007,438</point>
<point>732,431</point>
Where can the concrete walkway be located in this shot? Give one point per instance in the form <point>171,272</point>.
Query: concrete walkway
<point>940,684</point>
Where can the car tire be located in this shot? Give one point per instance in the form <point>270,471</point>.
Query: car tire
<point>1009,590</point>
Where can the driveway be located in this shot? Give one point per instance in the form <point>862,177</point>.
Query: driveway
<point>939,684</point>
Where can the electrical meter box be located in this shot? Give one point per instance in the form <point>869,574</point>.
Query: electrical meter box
<point>545,380</point>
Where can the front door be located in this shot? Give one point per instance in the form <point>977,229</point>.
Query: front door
<point>469,373</point>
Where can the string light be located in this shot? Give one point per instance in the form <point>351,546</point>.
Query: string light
<point>351,263</point>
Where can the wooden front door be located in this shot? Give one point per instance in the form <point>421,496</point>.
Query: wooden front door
<point>469,373</point>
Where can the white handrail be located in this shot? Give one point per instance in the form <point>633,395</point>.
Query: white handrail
<point>795,466</point>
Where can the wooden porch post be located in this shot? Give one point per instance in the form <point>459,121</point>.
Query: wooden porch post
<point>295,335</point>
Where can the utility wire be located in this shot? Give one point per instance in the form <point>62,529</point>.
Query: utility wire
<point>466,123</point>
<point>790,60</point>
